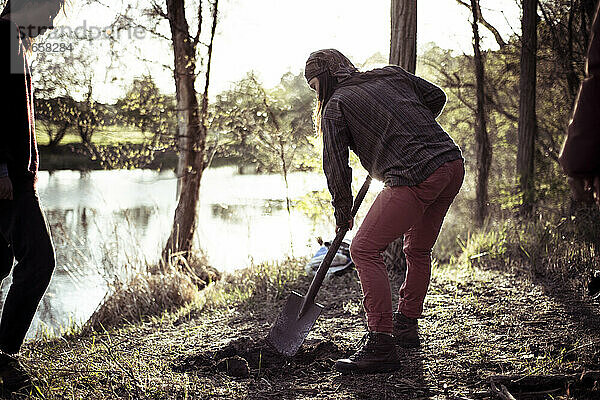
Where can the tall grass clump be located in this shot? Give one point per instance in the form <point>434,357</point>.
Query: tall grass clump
<point>488,243</point>
<point>259,285</point>
<point>558,248</point>
<point>149,290</point>
<point>266,282</point>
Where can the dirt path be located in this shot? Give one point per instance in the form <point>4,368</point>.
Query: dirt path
<point>478,323</point>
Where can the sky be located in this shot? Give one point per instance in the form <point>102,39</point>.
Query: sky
<point>272,37</point>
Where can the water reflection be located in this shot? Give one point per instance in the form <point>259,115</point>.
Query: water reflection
<point>237,213</point>
<point>103,220</point>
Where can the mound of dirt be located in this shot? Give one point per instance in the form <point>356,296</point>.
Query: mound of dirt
<point>235,366</point>
<point>259,357</point>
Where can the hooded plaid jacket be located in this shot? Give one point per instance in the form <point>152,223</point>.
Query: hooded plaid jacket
<point>390,123</point>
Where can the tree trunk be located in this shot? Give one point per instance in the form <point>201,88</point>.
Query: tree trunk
<point>527,114</point>
<point>403,41</point>
<point>483,148</point>
<point>403,52</point>
<point>191,134</point>
<point>563,46</point>
<point>55,139</point>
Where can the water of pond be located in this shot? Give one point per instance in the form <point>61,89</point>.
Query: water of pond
<point>102,220</point>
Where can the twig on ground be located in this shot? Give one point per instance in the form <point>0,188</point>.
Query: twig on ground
<point>126,369</point>
<point>501,393</point>
<point>540,384</point>
<point>535,394</point>
<point>595,342</point>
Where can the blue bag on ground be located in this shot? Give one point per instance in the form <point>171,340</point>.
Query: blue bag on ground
<point>341,263</point>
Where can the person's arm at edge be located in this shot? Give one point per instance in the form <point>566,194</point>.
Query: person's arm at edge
<point>580,154</point>
<point>5,57</point>
<point>336,168</point>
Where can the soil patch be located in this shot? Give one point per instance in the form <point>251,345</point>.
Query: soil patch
<point>479,324</point>
<point>261,358</point>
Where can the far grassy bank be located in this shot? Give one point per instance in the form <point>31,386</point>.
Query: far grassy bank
<point>77,157</point>
<point>128,155</point>
<point>118,147</point>
<point>104,135</point>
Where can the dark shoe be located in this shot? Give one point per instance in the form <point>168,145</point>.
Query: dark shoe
<point>406,331</point>
<point>13,376</point>
<point>376,353</point>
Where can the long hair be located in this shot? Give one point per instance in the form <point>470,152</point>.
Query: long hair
<point>327,85</point>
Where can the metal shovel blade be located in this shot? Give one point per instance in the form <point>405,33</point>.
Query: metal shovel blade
<point>300,312</point>
<point>288,332</point>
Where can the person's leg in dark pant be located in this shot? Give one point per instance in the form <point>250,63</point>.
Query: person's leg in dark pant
<point>396,211</point>
<point>418,242</point>
<point>23,223</point>
<point>6,257</point>
<point>393,212</point>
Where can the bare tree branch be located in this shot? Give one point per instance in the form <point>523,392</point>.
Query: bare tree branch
<point>484,22</point>
<point>131,23</point>
<point>204,110</point>
<point>158,10</point>
<point>199,30</point>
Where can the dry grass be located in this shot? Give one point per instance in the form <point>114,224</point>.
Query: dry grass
<point>151,290</point>
<point>479,322</point>
<point>562,250</point>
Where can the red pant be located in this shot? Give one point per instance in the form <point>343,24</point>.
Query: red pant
<point>417,212</point>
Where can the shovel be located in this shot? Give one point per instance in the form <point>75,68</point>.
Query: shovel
<point>300,312</point>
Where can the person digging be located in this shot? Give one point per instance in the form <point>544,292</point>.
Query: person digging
<point>387,116</point>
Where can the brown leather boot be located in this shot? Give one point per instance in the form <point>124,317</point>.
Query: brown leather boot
<point>376,353</point>
<point>406,331</point>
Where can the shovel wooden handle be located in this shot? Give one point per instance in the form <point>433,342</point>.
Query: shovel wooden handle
<point>315,285</point>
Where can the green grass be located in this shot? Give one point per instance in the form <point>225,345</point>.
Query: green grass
<point>562,250</point>
<point>106,135</point>
<point>484,316</point>
<point>481,320</point>
<point>133,358</point>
